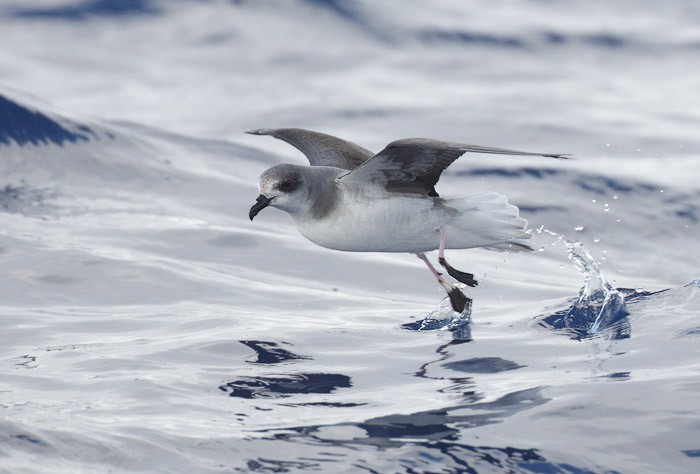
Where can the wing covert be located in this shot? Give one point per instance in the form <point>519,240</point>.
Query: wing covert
<point>414,165</point>
<point>320,149</point>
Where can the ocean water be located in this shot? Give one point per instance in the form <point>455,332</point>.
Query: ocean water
<point>146,325</point>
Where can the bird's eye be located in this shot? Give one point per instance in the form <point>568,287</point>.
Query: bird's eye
<point>287,183</point>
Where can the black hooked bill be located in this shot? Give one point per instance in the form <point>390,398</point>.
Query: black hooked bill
<point>260,203</point>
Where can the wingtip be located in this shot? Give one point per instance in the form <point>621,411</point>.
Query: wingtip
<point>260,131</point>
<point>560,156</point>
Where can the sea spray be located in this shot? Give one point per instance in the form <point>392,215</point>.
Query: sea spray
<point>599,305</point>
<point>444,318</point>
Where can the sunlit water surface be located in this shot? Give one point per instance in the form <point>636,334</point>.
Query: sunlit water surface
<point>148,326</point>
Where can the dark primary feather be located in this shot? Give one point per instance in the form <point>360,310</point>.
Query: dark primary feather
<point>414,165</point>
<point>319,148</point>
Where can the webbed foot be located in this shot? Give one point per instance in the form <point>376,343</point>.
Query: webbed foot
<point>458,300</point>
<point>464,277</point>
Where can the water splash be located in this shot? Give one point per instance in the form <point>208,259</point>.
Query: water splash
<point>444,318</point>
<point>599,305</point>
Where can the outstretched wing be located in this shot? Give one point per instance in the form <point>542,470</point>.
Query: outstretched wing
<point>319,148</point>
<point>414,165</point>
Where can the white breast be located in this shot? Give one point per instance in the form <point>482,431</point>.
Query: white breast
<point>381,224</point>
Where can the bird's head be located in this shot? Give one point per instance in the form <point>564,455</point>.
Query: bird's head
<point>283,187</point>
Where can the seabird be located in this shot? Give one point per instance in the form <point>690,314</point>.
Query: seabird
<point>353,200</point>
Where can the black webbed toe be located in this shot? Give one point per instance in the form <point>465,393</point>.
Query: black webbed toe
<point>464,277</point>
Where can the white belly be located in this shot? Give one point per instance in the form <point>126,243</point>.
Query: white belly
<point>396,224</point>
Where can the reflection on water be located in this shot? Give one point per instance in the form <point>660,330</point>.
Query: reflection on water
<point>271,352</point>
<point>424,441</point>
<point>285,385</point>
<point>436,438</point>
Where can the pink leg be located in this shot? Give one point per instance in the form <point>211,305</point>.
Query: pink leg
<point>432,269</point>
<point>441,250</point>
<point>466,278</point>
<point>457,299</point>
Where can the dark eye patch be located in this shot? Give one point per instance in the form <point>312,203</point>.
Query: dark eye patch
<point>289,184</point>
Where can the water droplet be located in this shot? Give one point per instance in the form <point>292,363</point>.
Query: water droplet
<point>607,144</point>
<point>541,249</point>
<point>607,207</point>
<point>661,190</point>
<point>598,305</point>
<point>592,200</point>
<point>596,239</point>
<point>578,228</point>
<point>614,197</point>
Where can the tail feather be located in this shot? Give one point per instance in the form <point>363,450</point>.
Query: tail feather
<point>487,220</point>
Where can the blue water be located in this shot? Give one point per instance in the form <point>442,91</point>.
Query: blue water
<point>148,326</point>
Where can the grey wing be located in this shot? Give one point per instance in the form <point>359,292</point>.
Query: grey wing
<point>414,165</point>
<point>319,148</point>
